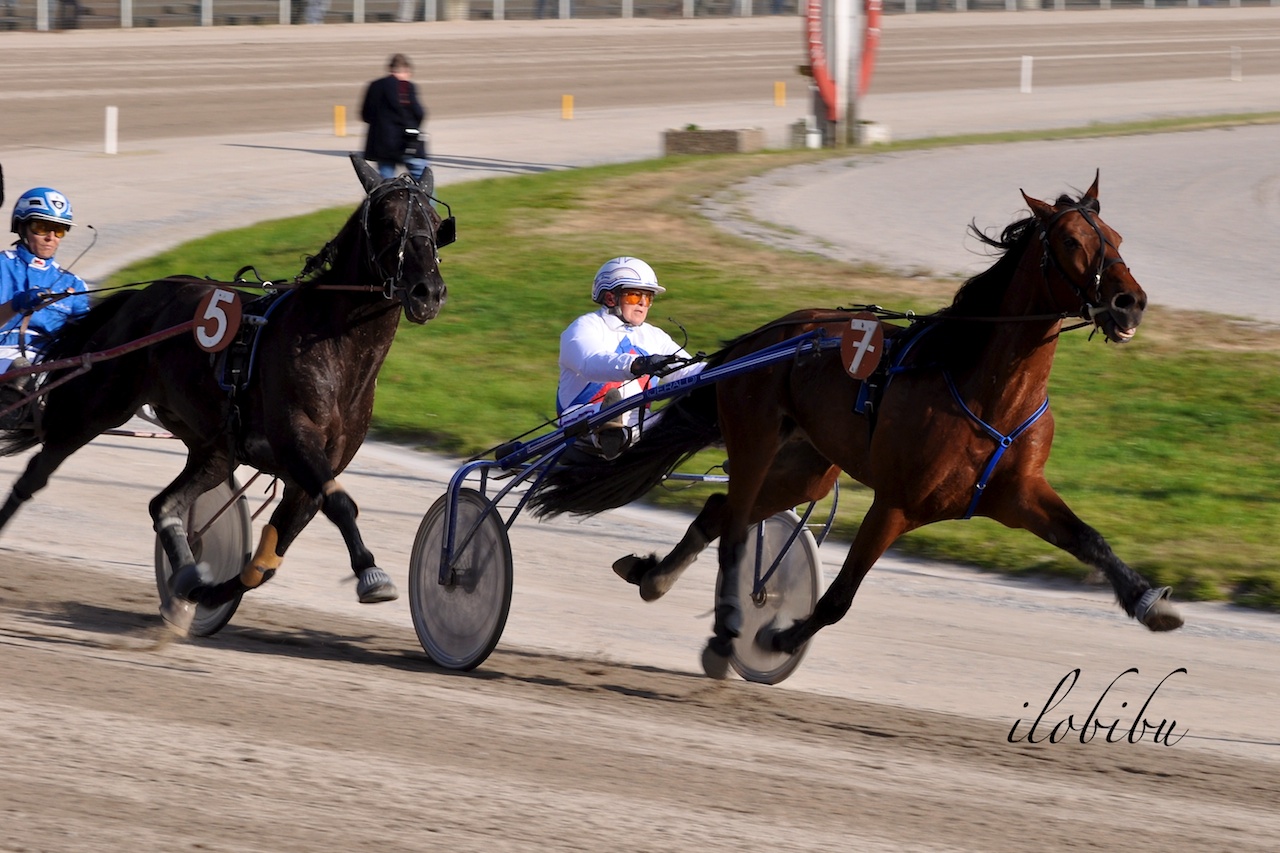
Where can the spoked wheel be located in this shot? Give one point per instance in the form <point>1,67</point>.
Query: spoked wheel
<point>225,548</point>
<point>789,595</point>
<point>459,622</point>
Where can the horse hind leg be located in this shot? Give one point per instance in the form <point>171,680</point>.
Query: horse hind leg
<point>168,513</point>
<point>656,577</point>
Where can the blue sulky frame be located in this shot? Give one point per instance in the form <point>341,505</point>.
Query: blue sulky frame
<point>460,604</point>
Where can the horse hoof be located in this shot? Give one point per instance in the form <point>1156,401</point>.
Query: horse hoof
<point>376,586</point>
<point>631,568</point>
<point>186,580</point>
<point>178,614</point>
<point>1155,611</point>
<point>765,638</point>
<point>714,664</point>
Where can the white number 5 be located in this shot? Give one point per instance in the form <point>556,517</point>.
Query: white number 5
<point>217,319</point>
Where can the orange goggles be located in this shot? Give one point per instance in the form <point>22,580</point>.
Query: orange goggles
<point>43,227</point>
<point>636,297</point>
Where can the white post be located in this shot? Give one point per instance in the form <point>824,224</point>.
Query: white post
<point>284,13</point>
<point>1237,65</point>
<point>113,123</point>
<point>430,11</point>
<point>910,7</point>
<point>357,12</point>
<point>564,9</point>
<point>126,14</point>
<point>1025,88</point>
<point>628,8</point>
<point>42,15</point>
<point>499,10</point>
<point>688,8</point>
<point>206,13</point>
<point>744,8</point>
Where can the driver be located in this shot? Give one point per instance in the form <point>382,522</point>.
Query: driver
<point>37,296</point>
<point>611,353</point>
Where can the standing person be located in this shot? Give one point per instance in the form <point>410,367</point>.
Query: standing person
<point>37,296</point>
<point>611,353</point>
<point>395,116</point>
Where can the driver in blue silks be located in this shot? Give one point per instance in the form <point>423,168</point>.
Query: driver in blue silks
<point>37,296</point>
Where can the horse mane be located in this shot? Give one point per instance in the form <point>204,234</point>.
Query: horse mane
<point>960,343</point>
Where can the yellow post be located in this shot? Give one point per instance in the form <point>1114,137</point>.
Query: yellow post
<point>339,120</point>
<point>566,107</point>
<point>779,94</point>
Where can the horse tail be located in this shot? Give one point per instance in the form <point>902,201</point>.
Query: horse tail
<point>587,485</point>
<point>73,339</point>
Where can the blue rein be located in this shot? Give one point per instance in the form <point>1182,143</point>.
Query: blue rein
<point>1003,441</point>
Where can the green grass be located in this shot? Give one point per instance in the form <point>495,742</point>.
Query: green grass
<point>1167,445</point>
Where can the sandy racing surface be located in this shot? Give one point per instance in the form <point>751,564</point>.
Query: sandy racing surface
<point>315,723</point>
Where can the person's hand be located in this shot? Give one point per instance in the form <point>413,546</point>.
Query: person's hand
<point>31,300</point>
<point>646,365</point>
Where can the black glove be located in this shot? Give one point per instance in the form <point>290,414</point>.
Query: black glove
<point>31,300</point>
<point>649,364</point>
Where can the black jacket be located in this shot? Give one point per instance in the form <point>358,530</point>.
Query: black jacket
<point>390,106</point>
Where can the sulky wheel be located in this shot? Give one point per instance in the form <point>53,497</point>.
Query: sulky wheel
<point>225,547</point>
<point>789,595</point>
<point>459,622</point>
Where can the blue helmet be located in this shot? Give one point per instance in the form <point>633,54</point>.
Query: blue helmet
<point>42,203</point>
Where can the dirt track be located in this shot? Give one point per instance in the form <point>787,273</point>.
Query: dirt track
<point>286,733</point>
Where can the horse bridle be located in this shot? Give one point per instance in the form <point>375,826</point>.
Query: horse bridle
<point>1089,307</point>
<point>420,199</point>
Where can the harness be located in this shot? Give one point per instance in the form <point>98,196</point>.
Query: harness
<point>897,347</point>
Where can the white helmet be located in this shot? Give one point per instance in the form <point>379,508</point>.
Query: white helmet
<point>631,273</point>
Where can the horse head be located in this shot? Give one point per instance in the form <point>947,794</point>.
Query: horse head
<point>1082,264</point>
<point>404,233</point>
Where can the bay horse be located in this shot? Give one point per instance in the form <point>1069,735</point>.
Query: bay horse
<point>301,406</point>
<point>961,427</point>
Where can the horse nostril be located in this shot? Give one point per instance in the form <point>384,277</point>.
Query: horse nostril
<point>1124,302</point>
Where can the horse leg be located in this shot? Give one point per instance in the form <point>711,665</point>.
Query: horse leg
<point>168,511</point>
<point>880,528</point>
<point>656,577</point>
<point>798,474</point>
<point>311,469</point>
<point>291,515</point>
<point>1038,508</point>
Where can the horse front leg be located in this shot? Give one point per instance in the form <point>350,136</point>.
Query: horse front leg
<point>1038,508</point>
<point>656,577</point>
<point>295,510</point>
<point>300,446</point>
<point>880,528</point>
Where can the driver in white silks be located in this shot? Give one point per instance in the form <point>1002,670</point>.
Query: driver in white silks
<point>610,354</point>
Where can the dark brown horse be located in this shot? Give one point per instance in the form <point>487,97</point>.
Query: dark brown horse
<point>296,404</point>
<point>962,426</point>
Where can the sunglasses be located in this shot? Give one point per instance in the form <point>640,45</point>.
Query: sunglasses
<point>41,227</point>
<point>635,297</point>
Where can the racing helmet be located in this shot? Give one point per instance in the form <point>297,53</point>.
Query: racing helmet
<point>42,203</point>
<point>631,273</point>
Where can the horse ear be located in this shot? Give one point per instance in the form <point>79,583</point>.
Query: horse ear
<point>1042,210</point>
<point>369,177</point>
<point>1092,192</point>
